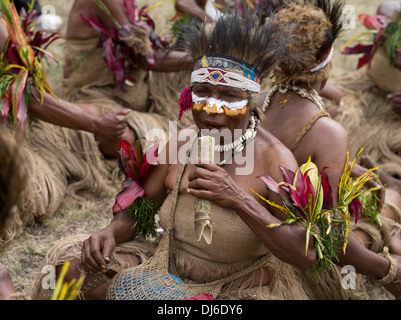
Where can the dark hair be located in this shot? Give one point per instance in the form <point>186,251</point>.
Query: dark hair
<point>317,24</point>
<point>241,35</point>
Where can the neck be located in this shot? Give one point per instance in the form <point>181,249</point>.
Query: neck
<point>317,85</point>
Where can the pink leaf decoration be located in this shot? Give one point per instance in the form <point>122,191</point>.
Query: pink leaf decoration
<point>202,296</point>
<point>130,192</point>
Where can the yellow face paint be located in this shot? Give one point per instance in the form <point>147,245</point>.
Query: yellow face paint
<point>213,106</point>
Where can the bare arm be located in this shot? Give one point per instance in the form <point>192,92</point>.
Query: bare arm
<point>164,62</point>
<point>169,61</point>
<point>365,261</point>
<point>81,117</point>
<point>193,9</point>
<point>99,246</point>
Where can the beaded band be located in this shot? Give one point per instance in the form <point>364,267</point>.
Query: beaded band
<point>224,70</point>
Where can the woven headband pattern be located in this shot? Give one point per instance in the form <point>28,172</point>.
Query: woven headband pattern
<point>225,70</point>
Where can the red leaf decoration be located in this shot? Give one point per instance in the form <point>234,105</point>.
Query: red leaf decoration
<point>327,193</point>
<point>288,175</point>
<point>369,21</point>
<point>360,48</point>
<point>136,166</point>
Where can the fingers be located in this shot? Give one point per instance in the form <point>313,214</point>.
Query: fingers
<point>199,183</point>
<point>202,194</point>
<point>92,259</point>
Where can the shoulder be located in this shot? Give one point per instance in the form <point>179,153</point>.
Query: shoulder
<point>329,130</point>
<point>273,152</point>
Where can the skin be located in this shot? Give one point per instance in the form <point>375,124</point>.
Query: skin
<point>7,289</point>
<point>327,144</point>
<point>220,185</point>
<point>196,8</point>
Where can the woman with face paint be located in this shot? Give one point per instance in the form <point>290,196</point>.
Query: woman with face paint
<point>242,258</point>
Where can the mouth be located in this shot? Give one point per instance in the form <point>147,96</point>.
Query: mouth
<point>212,126</point>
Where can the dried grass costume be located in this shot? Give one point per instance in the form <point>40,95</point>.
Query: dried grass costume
<point>65,166</point>
<point>58,164</point>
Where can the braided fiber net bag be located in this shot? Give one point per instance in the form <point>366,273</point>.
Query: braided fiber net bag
<point>152,281</point>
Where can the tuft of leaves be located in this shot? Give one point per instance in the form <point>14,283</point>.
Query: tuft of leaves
<point>143,211</point>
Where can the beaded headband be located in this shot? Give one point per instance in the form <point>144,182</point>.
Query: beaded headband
<point>218,69</point>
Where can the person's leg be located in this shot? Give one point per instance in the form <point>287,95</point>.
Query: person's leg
<point>7,290</point>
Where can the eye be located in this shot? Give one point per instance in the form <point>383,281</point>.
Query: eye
<point>200,90</point>
<point>231,95</point>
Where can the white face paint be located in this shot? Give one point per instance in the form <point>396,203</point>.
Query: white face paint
<point>236,105</point>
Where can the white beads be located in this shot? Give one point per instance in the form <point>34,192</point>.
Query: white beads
<point>239,143</point>
<point>308,94</point>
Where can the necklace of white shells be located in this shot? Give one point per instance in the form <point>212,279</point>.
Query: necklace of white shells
<point>310,94</point>
<point>239,144</point>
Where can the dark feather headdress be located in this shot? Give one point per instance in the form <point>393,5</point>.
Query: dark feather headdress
<point>241,36</point>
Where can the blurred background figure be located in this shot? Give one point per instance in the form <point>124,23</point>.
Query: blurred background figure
<point>47,18</point>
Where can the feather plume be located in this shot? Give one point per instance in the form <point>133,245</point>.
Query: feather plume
<point>241,35</point>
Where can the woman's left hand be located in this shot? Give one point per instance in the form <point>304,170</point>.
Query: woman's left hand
<point>211,182</point>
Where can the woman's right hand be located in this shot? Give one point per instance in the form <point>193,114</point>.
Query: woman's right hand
<point>96,251</point>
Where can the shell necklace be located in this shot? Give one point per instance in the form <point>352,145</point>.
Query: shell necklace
<point>239,143</point>
<point>311,94</point>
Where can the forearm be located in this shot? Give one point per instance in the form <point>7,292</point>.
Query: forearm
<point>60,113</point>
<point>193,10</point>
<point>286,242</point>
<point>172,61</point>
<point>122,227</point>
<point>363,260</point>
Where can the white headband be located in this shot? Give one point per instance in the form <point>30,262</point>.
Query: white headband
<point>324,63</point>
<point>217,76</point>
<point>321,65</point>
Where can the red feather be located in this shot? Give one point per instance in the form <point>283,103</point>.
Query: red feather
<point>185,101</point>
